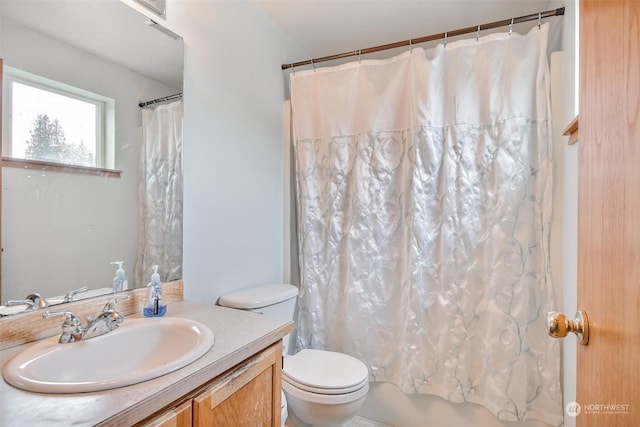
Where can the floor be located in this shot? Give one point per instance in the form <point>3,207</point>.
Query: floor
<point>357,422</point>
<point>365,422</point>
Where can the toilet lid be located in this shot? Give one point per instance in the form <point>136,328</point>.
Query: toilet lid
<point>322,369</point>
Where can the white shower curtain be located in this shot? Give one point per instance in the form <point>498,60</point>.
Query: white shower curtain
<point>160,194</point>
<point>423,196</point>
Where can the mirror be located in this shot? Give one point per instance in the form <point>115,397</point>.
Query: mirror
<point>62,229</point>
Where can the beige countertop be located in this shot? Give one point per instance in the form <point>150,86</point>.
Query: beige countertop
<point>238,335</point>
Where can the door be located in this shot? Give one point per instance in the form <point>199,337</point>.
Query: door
<point>608,380</point>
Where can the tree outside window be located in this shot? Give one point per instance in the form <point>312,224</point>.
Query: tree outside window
<point>48,143</point>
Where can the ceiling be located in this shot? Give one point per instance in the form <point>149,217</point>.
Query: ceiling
<point>319,27</point>
<point>108,28</point>
<point>326,27</point>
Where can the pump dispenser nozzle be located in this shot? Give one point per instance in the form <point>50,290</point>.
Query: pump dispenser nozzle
<point>120,281</point>
<point>119,271</point>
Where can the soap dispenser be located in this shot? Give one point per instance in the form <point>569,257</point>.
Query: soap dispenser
<point>155,307</point>
<point>120,281</point>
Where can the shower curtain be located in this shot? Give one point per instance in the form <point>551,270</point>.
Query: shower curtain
<point>423,197</point>
<point>160,194</point>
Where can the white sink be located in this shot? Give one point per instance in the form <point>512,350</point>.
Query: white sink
<point>139,350</point>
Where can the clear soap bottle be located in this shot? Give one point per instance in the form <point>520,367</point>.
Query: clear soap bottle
<point>155,307</point>
<point>120,282</point>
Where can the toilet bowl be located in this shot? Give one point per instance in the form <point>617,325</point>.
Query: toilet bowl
<point>321,388</point>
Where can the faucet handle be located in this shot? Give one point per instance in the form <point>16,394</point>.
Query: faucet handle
<point>70,316</point>
<point>30,303</point>
<point>71,327</point>
<point>70,295</point>
<point>110,305</point>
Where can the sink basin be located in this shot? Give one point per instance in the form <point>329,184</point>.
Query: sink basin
<point>139,350</point>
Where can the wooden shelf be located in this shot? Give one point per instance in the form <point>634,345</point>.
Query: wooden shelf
<point>572,131</point>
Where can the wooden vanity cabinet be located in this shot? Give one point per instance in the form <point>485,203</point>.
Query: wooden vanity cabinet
<point>247,395</point>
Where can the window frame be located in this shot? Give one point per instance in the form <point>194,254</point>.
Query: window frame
<point>105,111</point>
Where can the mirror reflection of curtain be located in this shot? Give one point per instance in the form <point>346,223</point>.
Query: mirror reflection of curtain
<point>160,190</point>
<point>424,207</point>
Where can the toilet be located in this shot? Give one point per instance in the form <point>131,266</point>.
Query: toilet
<point>321,388</point>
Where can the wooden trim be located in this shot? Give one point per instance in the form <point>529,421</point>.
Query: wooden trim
<point>572,131</point>
<point>57,167</point>
<point>276,386</point>
<point>30,326</point>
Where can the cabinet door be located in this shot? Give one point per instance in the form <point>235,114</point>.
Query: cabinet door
<point>248,395</point>
<point>175,417</point>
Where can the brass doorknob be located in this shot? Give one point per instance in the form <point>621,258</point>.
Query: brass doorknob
<point>559,326</point>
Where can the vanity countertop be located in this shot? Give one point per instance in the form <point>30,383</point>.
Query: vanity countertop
<point>238,335</point>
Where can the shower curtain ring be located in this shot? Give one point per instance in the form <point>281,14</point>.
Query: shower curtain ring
<point>511,27</point>
<point>313,65</point>
<point>359,55</point>
<point>446,35</point>
<point>410,45</point>
<point>478,33</point>
<point>539,19</point>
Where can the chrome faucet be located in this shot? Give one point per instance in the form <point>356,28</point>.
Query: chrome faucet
<point>38,300</point>
<point>106,321</point>
<point>69,297</point>
<point>72,329</point>
<point>32,302</point>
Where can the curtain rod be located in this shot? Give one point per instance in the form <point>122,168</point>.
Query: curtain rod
<point>475,29</point>
<point>159,100</point>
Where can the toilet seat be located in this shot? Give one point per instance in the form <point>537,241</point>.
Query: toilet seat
<point>325,372</point>
<point>324,390</point>
<point>325,399</point>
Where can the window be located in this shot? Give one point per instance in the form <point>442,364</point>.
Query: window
<point>53,122</point>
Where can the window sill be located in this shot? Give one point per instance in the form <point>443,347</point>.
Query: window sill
<point>11,162</point>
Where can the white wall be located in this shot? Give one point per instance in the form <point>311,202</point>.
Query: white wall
<point>94,217</point>
<point>233,94</point>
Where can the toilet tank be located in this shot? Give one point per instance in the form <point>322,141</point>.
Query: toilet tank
<point>276,300</point>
